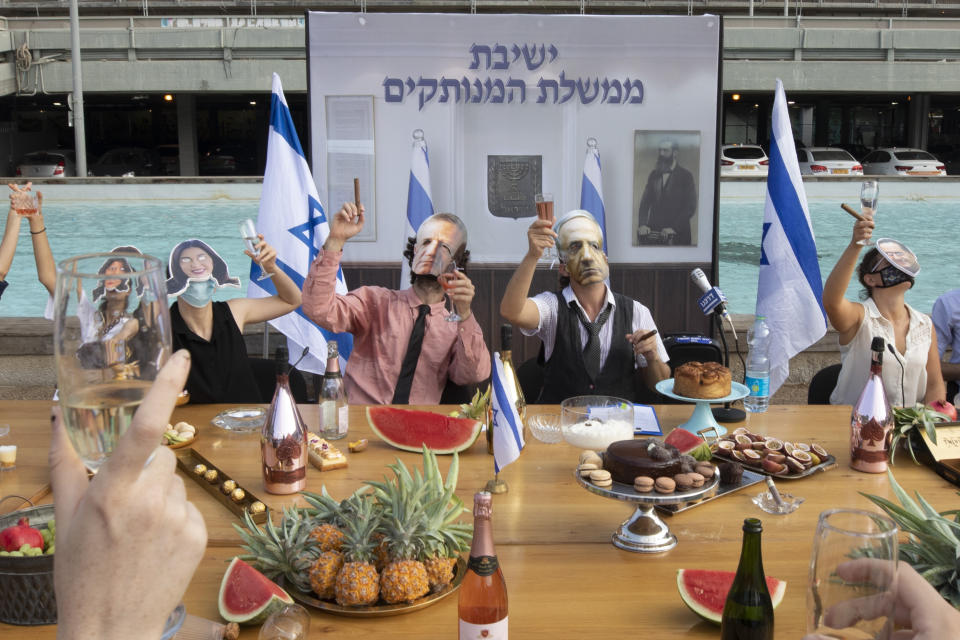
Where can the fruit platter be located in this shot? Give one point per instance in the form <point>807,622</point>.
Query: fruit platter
<point>772,456</point>
<point>393,546</point>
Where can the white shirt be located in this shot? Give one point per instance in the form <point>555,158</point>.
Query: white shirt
<point>89,318</point>
<point>547,328</point>
<point>855,358</point>
<point>946,320</point>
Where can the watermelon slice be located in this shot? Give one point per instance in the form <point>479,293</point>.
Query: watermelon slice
<point>409,430</point>
<point>689,443</point>
<point>705,592</point>
<point>247,596</point>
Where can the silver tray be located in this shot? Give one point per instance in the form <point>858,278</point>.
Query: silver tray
<point>828,463</point>
<point>749,478</point>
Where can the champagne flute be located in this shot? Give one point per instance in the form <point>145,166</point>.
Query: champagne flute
<point>248,231</point>
<point>544,204</point>
<point>869,194</point>
<point>853,570</point>
<point>110,340</point>
<point>447,278</point>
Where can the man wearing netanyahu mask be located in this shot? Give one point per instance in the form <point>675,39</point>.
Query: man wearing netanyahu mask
<point>406,343</point>
<point>594,341</point>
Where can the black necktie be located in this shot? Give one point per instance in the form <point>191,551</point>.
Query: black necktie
<point>401,394</point>
<point>591,351</point>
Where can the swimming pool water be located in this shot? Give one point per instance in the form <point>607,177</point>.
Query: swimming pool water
<point>154,226</point>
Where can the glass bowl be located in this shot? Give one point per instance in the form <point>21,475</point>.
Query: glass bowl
<point>545,427</point>
<point>594,422</point>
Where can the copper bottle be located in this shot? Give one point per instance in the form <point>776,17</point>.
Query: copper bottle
<point>283,441</point>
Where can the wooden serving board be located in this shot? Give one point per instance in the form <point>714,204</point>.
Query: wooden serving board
<point>187,459</point>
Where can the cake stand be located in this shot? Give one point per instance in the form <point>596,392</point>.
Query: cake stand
<point>644,531</point>
<point>702,417</point>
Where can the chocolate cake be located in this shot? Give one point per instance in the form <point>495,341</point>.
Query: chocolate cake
<point>627,459</point>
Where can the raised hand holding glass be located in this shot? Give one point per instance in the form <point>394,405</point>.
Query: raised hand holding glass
<point>248,231</point>
<point>869,195</point>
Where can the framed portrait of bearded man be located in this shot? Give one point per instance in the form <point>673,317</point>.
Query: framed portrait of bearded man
<point>665,188</point>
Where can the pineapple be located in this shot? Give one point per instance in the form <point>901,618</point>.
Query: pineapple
<point>323,574</point>
<point>358,582</point>
<point>476,409</point>
<point>328,514</point>
<point>445,538</point>
<point>287,552</point>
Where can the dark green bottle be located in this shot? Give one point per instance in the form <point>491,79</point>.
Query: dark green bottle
<point>748,612</point>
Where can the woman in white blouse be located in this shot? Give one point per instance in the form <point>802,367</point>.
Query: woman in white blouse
<point>911,363</point>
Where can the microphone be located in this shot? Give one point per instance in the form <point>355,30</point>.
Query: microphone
<point>712,299</point>
<point>893,351</point>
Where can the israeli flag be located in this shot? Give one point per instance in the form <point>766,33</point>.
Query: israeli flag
<point>591,191</point>
<point>419,200</point>
<point>293,221</point>
<point>507,427</point>
<point>790,290</point>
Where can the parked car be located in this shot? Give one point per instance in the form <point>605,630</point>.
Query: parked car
<point>896,161</point>
<point>225,160</point>
<point>60,163</point>
<point>126,162</point>
<point>827,161</point>
<point>743,160</point>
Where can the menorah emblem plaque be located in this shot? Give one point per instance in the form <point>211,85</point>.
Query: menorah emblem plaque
<point>512,182</point>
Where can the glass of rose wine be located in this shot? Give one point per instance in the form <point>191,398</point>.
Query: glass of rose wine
<point>248,231</point>
<point>869,195</point>
<point>111,337</point>
<point>25,203</point>
<point>544,204</point>
<point>447,280</point>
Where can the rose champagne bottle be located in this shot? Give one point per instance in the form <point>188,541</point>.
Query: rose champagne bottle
<point>872,420</point>
<point>283,440</point>
<point>483,593</point>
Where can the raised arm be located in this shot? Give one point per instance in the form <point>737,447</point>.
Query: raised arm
<point>42,255</point>
<point>844,315</point>
<point>515,306</point>
<point>251,310</point>
<point>945,332</point>
<point>8,246</point>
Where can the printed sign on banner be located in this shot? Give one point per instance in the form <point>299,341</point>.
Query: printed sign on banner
<point>488,90</point>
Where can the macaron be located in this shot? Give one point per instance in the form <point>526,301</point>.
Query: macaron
<point>586,454</point>
<point>684,481</point>
<point>643,484</point>
<point>665,485</point>
<point>599,475</point>
<point>586,469</point>
<point>697,479</point>
<point>706,470</point>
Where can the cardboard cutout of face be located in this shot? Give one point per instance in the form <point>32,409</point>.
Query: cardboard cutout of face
<point>581,248</point>
<point>438,240</point>
<point>195,261</point>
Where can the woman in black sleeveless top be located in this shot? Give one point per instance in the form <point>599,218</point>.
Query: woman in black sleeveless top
<point>213,331</point>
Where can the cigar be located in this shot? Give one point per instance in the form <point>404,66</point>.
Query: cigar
<point>852,212</point>
<point>649,334</point>
<point>773,492</point>
<point>356,192</point>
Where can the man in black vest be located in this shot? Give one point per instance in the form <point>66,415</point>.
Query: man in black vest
<point>593,339</point>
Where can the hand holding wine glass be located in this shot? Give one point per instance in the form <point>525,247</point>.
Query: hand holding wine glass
<point>24,200</point>
<point>458,287</point>
<point>544,204</point>
<point>254,242</point>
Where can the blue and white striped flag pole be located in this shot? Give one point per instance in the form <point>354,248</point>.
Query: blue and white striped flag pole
<point>789,289</point>
<point>591,191</point>
<point>507,427</point>
<point>419,198</point>
<point>293,221</point>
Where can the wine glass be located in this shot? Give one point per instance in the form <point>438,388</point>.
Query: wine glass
<point>447,279</point>
<point>853,570</point>
<point>544,204</point>
<point>111,337</point>
<point>248,231</point>
<point>869,194</point>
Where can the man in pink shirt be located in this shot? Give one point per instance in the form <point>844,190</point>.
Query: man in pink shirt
<point>393,360</point>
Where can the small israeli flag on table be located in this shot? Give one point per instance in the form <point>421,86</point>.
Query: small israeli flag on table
<point>507,427</point>
<point>293,221</point>
<point>790,290</point>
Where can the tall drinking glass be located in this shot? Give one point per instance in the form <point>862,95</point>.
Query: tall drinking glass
<point>111,337</point>
<point>869,194</point>
<point>544,204</point>
<point>248,231</point>
<point>853,571</point>
<point>447,275</point>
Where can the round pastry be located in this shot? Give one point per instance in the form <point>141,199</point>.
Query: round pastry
<point>586,469</point>
<point>664,484</point>
<point>627,459</point>
<point>706,470</point>
<point>599,475</point>
<point>587,454</point>
<point>643,484</point>
<point>730,472</point>
<point>697,479</point>
<point>702,380</point>
<point>684,481</point>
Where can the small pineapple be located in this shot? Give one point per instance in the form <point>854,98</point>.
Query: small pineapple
<point>323,574</point>
<point>382,552</point>
<point>328,516</point>
<point>288,552</point>
<point>445,538</point>
<point>358,582</point>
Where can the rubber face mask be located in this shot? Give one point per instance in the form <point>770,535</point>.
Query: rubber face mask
<point>437,240</point>
<point>581,248</point>
<point>199,292</point>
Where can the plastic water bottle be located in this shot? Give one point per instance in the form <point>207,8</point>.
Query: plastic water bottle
<point>758,367</point>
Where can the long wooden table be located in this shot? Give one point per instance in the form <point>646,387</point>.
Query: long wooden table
<point>564,577</point>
